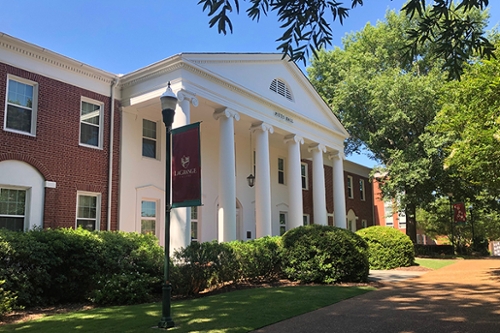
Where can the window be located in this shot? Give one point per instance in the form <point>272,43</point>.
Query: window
<point>149,138</point>
<point>363,224</point>
<point>402,220</point>
<point>282,223</point>
<point>194,224</point>
<point>280,87</point>
<point>12,209</point>
<point>389,222</point>
<point>362,189</point>
<point>281,171</point>
<point>88,211</point>
<point>303,172</point>
<point>349,187</point>
<point>148,217</point>
<point>91,123</point>
<point>20,108</point>
<point>305,219</point>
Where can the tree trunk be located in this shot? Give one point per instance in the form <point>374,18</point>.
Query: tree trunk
<point>411,222</point>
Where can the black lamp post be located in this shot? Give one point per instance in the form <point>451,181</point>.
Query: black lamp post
<point>168,104</point>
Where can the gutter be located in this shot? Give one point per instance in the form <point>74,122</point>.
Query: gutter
<point>111,151</point>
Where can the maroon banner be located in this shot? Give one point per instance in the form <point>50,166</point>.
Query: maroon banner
<point>186,166</point>
<point>459,213</point>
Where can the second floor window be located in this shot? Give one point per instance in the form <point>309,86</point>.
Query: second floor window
<point>20,109</point>
<point>303,173</point>
<point>362,189</point>
<point>149,138</point>
<point>91,124</point>
<point>349,187</point>
<point>281,171</point>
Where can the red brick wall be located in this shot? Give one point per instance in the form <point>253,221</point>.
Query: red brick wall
<point>362,208</point>
<point>56,153</point>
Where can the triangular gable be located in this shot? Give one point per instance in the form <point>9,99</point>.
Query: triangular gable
<point>259,72</point>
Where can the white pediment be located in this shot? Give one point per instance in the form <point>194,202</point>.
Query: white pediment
<point>256,72</point>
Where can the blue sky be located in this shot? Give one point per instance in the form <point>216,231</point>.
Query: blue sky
<point>120,36</point>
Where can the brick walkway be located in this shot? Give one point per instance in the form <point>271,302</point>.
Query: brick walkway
<point>463,297</point>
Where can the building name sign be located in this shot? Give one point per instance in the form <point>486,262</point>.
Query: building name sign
<point>282,116</point>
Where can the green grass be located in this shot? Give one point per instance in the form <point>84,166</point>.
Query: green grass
<point>434,263</point>
<point>238,311</point>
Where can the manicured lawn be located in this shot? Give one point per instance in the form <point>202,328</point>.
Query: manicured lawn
<point>434,263</point>
<point>238,311</point>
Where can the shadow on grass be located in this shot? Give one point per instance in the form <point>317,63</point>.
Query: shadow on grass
<point>239,311</point>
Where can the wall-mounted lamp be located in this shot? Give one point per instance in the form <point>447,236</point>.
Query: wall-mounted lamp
<point>251,180</point>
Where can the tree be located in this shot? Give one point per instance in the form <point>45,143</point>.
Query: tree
<point>470,123</point>
<point>307,26</point>
<point>386,105</point>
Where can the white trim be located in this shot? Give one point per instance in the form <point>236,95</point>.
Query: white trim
<point>101,122</point>
<point>349,186</point>
<point>34,104</point>
<point>306,175</point>
<point>98,208</point>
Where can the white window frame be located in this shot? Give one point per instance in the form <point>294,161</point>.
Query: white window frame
<point>362,194</point>
<point>389,215</point>
<point>34,105</point>
<point>157,142</point>
<point>154,218</point>
<point>195,219</point>
<point>305,175</point>
<point>26,204</point>
<point>98,208</point>
<point>283,224</point>
<point>350,193</point>
<point>307,218</point>
<point>282,171</point>
<point>101,123</point>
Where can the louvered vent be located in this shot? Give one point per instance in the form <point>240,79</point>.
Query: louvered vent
<point>280,87</point>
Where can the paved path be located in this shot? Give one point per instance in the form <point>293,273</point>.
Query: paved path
<point>463,297</point>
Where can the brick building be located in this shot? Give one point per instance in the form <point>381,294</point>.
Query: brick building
<point>83,147</point>
<point>55,142</point>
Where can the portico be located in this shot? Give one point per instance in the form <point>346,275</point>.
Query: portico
<point>259,115</point>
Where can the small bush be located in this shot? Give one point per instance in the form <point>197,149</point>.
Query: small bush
<point>324,254</point>
<point>388,248</point>
<point>202,265</point>
<point>258,259</point>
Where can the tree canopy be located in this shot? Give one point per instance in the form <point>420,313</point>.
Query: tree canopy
<point>307,26</point>
<point>386,104</point>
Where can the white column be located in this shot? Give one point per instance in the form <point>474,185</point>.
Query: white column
<point>294,180</point>
<point>319,192</point>
<point>180,219</point>
<point>262,180</point>
<point>227,175</point>
<point>339,209</point>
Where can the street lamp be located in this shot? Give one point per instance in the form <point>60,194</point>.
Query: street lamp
<point>168,104</point>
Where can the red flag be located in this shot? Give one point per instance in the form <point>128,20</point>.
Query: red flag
<point>459,214</point>
<point>186,166</point>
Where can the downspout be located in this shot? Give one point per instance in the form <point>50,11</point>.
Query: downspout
<point>111,151</point>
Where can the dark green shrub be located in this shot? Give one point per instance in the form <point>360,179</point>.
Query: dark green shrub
<point>202,265</point>
<point>131,269</point>
<point>388,248</point>
<point>258,259</point>
<point>7,300</point>
<point>324,254</point>
<point>64,265</point>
